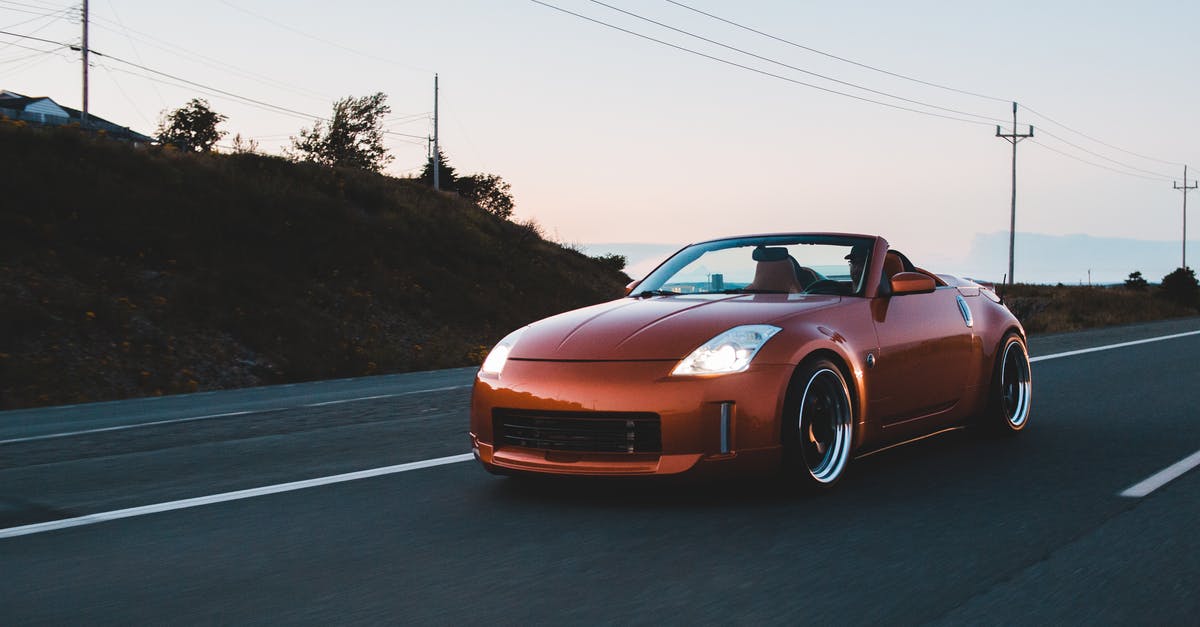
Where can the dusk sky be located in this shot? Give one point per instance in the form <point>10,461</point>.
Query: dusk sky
<point>607,137</point>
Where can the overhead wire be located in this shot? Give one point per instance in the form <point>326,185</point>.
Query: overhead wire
<point>327,42</point>
<point>1156,179</point>
<point>1110,160</point>
<point>54,18</point>
<point>793,67</point>
<point>136,53</point>
<point>1152,174</point>
<point>758,70</point>
<point>1102,143</point>
<point>947,88</point>
<point>836,57</point>
<point>211,62</point>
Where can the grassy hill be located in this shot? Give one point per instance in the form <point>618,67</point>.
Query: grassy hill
<point>127,272</point>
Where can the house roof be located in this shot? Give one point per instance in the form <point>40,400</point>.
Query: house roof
<point>19,102</point>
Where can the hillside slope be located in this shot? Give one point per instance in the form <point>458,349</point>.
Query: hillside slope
<point>127,272</point>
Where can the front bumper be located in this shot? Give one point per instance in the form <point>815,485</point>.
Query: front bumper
<point>713,424</point>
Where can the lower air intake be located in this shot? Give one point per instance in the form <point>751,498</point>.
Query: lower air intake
<point>593,432</point>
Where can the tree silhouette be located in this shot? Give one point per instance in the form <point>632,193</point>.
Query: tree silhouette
<point>353,137</point>
<point>1181,287</point>
<point>1136,282</point>
<point>192,127</point>
<point>446,175</point>
<point>488,191</point>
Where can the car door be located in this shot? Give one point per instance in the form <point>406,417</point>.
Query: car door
<point>921,368</point>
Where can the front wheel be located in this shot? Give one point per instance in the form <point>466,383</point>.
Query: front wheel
<point>1012,388</point>
<point>818,425</point>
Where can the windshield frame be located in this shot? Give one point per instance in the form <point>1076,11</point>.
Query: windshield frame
<point>653,281</point>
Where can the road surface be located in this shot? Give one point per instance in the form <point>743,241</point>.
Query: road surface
<point>186,510</point>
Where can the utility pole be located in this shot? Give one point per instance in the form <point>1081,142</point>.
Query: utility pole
<point>1013,137</point>
<point>437,155</point>
<point>1185,188</point>
<point>83,118</point>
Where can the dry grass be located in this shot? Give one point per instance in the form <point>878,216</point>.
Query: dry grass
<point>1055,309</point>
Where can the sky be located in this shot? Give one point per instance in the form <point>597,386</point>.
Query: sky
<point>609,137</point>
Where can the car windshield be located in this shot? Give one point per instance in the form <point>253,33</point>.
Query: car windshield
<point>778,264</point>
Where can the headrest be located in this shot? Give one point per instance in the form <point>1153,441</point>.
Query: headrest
<point>762,253</point>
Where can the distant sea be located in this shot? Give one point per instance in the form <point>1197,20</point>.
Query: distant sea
<point>1047,259</point>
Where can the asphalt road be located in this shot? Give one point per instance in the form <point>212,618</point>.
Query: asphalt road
<point>954,530</point>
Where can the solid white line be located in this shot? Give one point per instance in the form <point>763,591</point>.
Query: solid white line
<point>139,425</point>
<point>1162,477</point>
<point>1112,346</point>
<point>371,398</point>
<point>124,427</point>
<point>131,512</point>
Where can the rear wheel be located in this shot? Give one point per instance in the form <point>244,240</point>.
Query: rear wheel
<point>818,425</point>
<point>1012,388</point>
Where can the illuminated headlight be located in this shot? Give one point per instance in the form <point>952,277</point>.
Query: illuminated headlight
<point>499,355</point>
<point>728,352</point>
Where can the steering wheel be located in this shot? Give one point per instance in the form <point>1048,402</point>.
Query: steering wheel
<point>824,286</point>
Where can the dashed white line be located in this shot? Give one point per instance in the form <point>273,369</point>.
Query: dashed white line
<point>155,423</point>
<point>371,398</point>
<point>139,425</point>
<point>1138,490</point>
<point>1162,477</point>
<point>92,519</point>
<point>1112,346</point>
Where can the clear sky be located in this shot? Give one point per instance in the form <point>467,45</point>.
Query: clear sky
<point>606,137</point>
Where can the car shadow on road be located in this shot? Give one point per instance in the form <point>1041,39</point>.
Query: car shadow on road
<point>952,461</point>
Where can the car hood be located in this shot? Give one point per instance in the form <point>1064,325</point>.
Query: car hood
<point>656,328</point>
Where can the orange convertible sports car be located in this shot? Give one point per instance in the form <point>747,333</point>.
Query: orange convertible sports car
<point>790,351</point>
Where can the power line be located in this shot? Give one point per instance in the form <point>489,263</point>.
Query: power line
<point>211,62</point>
<point>327,42</point>
<point>836,57</point>
<point>37,52</point>
<point>1107,145</point>
<point>947,88</point>
<point>1096,154</point>
<point>757,70</point>
<point>1094,164</point>
<point>243,99</point>
<point>792,67</point>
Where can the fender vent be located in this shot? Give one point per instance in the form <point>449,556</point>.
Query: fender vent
<point>594,432</point>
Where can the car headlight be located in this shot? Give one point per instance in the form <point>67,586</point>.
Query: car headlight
<point>495,360</point>
<point>728,352</point>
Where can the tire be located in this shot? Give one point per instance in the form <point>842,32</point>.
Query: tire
<point>1011,390</point>
<point>817,426</point>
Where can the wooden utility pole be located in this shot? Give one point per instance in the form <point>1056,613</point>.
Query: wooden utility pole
<point>437,155</point>
<point>1013,137</point>
<point>1185,188</point>
<point>83,118</point>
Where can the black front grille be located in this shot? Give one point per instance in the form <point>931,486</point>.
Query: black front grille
<point>595,432</point>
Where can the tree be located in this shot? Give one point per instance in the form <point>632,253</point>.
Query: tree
<point>447,179</point>
<point>488,191</point>
<point>243,145</point>
<point>353,137</point>
<point>192,127</point>
<point>1181,287</point>
<point>612,260</point>
<point>1136,282</point>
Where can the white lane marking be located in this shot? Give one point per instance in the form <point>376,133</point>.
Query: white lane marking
<point>1162,477</point>
<point>139,425</point>
<point>1112,346</point>
<point>131,512</point>
<point>124,427</point>
<point>371,398</point>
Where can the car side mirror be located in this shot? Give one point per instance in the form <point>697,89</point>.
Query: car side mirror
<point>632,284</point>
<point>912,283</point>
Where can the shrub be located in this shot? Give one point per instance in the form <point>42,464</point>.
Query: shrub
<point>1181,287</point>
